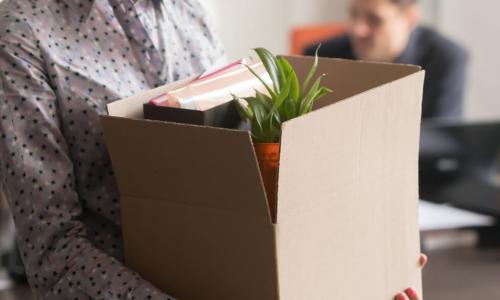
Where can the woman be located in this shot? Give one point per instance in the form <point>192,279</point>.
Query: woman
<point>61,62</point>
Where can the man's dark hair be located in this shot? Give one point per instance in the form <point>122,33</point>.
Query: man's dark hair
<point>404,3</point>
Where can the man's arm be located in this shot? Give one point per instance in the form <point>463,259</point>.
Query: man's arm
<point>445,85</point>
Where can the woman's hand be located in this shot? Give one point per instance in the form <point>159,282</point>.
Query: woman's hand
<point>410,293</point>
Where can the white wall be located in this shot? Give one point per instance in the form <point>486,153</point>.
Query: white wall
<point>475,24</point>
<point>244,24</point>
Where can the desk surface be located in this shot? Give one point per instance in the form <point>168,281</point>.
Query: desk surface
<point>442,217</point>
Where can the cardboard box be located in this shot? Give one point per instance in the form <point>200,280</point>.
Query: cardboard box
<point>195,217</point>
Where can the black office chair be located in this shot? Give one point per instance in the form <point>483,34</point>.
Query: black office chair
<point>460,165</point>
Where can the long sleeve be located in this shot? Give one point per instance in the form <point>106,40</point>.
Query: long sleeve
<point>37,173</point>
<point>445,84</point>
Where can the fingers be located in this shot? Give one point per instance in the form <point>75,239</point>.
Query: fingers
<point>423,260</point>
<point>412,294</point>
<point>409,294</point>
<point>401,296</point>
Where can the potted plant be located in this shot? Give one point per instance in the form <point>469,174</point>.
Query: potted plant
<point>286,98</point>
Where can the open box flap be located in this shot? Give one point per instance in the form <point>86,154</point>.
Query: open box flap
<point>187,165</point>
<point>348,176</point>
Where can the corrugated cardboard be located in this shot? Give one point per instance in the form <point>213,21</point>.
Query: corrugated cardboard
<point>194,211</point>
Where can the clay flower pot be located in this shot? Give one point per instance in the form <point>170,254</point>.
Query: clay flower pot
<point>268,155</point>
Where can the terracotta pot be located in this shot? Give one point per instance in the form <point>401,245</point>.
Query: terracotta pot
<point>268,155</point>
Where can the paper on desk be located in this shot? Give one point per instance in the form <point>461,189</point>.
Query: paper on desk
<point>440,216</point>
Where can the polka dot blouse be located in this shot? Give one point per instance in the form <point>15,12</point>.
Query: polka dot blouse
<point>61,62</point>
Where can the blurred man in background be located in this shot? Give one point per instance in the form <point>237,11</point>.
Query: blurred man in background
<point>388,31</point>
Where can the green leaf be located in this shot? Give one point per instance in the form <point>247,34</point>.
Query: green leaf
<point>309,97</point>
<point>289,109</point>
<point>256,130</point>
<point>320,93</point>
<point>264,100</point>
<point>282,72</point>
<point>268,104</point>
<point>268,88</point>
<point>288,69</point>
<point>281,97</point>
<point>311,73</point>
<point>314,97</point>
<point>271,65</point>
<point>257,109</point>
<point>243,110</point>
